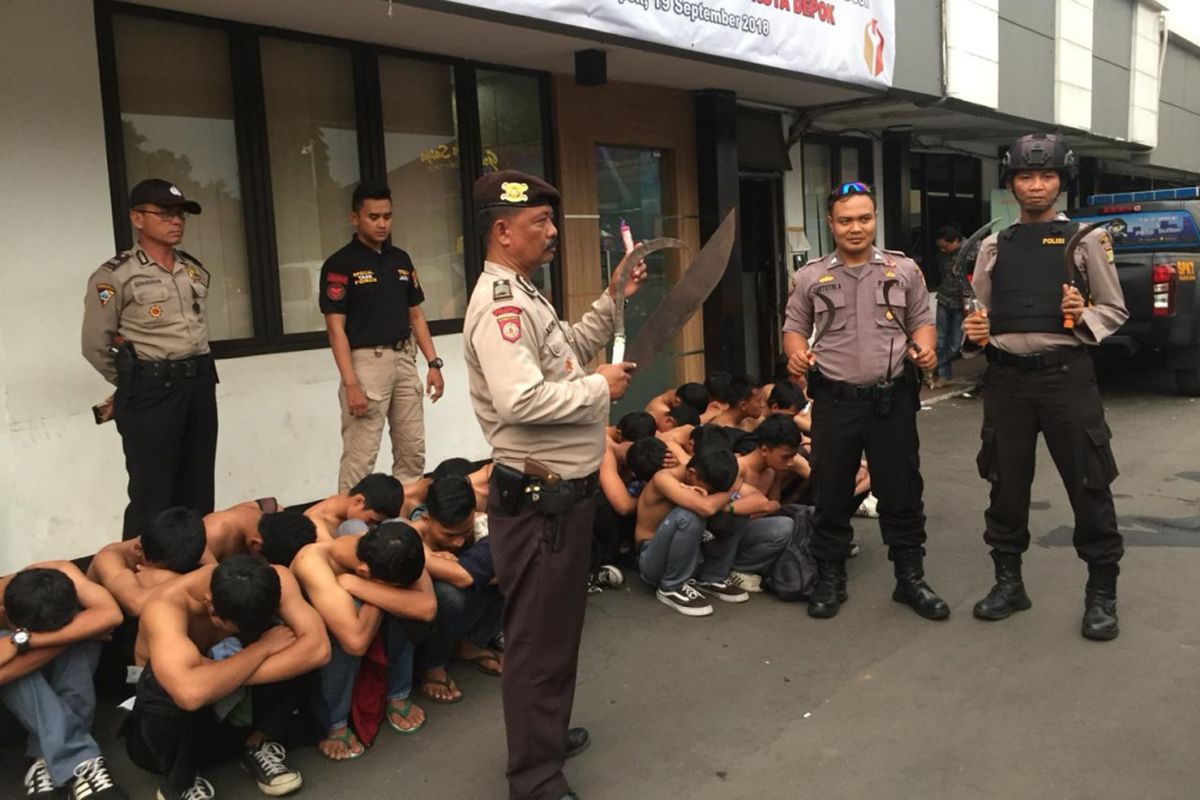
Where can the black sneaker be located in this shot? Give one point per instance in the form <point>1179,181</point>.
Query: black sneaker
<point>93,781</point>
<point>38,782</point>
<point>266,763</point>
<point>686,600</point>
<point>723,590</point>
<point>201,790</point>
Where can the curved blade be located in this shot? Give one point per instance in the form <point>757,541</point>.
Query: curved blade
<point>965,248</point>
<point>687,295</point>
<point>634,256</point>
<point>887,300</point>
<point>826,321</point>
<point>1069,261</point>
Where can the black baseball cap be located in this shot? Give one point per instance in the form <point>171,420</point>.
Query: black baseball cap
<point>161,193</point>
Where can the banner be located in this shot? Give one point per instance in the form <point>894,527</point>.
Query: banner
<point>845,40</point>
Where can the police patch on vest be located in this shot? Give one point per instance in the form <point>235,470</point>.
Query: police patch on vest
<point>106,293</point>
<point>1053,240</point>
<point>364,276</point>
<point>509,320</point>
<point>502,290</point>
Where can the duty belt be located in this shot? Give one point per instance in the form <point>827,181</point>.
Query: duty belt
<point>1032,361</point>
<point>839,390</point>
<point>196,367</point>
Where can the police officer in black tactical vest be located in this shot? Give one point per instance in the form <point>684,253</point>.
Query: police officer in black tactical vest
<point>1038,323</point>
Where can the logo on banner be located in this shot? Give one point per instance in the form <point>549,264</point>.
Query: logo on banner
<point>873,47</point>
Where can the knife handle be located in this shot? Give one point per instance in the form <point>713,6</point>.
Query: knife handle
<point>618,354</point>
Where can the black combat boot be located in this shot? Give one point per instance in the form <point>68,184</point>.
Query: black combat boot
<point>1008,595</point>
<point>830,593</point>
<point>1100,603</point>
<point>911,588</point>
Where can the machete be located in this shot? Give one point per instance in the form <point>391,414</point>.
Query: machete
<point>825,322</point>
<point>631,259</point>
<point>971,304</point>
<point>1069,263</point>
<point>909,342</point>
<point>687,296</point>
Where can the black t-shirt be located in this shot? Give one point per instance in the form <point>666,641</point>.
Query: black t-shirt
<point>374,291</point>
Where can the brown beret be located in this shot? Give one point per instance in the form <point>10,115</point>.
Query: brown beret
<point>511,189</point>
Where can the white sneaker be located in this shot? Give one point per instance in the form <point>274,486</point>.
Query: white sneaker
<point>201,790</point>
<point>609,576</point>
<point>686,600</point>
<point>92,779</point>
<point>722,590</point>
<point>869,508</point>
<point>38,782</point>
<point>747,581</point>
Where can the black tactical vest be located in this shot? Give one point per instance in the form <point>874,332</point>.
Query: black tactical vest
<point>1028,276</point>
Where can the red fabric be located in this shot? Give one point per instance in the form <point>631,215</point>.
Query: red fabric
<point>369,698</point>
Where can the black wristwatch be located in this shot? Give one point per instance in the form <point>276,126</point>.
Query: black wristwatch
<point>20,640</point>
<point>436,363</point>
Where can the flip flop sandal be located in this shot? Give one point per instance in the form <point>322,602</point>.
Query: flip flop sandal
<point>478,663</point>
<point>347,738</point>
<point>401,709</point>
<point>450,686</point>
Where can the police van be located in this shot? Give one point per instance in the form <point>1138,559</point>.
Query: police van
<point>1156,243</point>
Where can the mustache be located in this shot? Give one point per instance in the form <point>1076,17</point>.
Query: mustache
<point>551,244</point>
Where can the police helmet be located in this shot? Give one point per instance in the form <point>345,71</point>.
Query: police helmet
<point>1040,151</point>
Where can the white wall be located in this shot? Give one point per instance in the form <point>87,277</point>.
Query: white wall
<point>1144,77</point>
<point>973,51</point>
<point>62,478</point>
<point>1073,63</point>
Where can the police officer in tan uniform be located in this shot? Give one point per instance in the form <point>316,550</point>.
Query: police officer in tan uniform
<point>865,388</point>
<point>544,415</point>
<point>1036,328</point>
<point>145,329</point>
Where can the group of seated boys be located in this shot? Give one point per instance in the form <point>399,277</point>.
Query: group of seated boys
<point>257,628</point>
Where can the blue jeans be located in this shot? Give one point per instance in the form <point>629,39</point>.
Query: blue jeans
<point>57,705</point>
<point>473,614</point>
<point>762,540</point>
<point>337,677</point>
<point>677,551</point>
<point>949,335</point>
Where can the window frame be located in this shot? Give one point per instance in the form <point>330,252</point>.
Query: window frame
<point>254,168</point>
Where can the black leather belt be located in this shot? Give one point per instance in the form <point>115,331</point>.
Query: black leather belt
<point>839,390</point>
<point>1031,361</point>
<point>199,366</point>
<point>578,488</point>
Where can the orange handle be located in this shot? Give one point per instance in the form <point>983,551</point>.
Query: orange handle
<point>1068,322</point>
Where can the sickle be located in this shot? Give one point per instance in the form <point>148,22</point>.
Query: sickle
<point>634,256</point>
<point>1069,261</point>
<point>826,322</point>
<point>887,299</point>
<point>966,247</point>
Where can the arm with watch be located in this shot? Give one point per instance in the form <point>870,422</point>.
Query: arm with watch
<point>434,384</point>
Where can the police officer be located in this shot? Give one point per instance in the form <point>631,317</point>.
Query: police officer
<point>544,415</point>
<point>145,329</point>
<point>863,379</point>
<point>1037,328</point>
<point>371,299</point>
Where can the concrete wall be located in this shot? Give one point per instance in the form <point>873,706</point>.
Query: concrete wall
<point>919,46</point>
<point>62,478</point>
<point>1027,66</point>
<point>973,51</point>
<point>1112,52</point>
<point>1179,110</point>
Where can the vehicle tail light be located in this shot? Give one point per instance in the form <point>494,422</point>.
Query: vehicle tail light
<point>1164,279</point>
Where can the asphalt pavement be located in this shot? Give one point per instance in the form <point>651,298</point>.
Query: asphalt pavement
<point>761,701</point>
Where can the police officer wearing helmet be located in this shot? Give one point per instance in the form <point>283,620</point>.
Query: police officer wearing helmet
<point>145,329</point>
<point>544,414</point>
<point>864,379</point>
<point>1036,328</point>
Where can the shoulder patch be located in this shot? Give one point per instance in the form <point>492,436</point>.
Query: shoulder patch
<point>502,290</point>
<point>117,260</point>
<point>188,257</point>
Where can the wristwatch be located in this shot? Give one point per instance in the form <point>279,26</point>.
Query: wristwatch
<point>436,363</point>
<point>20,640</point>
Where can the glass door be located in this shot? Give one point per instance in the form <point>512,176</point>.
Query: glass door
<point>629,185</point>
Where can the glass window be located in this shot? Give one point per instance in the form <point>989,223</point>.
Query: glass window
<point>850,166</point>
<point>177,124</point>
<point>818,183</point>
<point>510,122</point>
<point>420,136</point>
<point>313,147</point>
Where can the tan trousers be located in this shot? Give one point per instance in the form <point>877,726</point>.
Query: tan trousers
<point>395,395</point>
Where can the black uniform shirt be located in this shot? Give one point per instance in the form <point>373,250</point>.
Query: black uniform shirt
<point>374,291</point>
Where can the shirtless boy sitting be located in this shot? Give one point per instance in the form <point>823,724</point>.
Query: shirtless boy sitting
<point>359,583</point>
<point>132,569</point>
<point>372,500</point>
<point>51,624</point>
<point>689,395</point>
<point>206,639</point>
<point>276,536</point>
<point>672,513</point>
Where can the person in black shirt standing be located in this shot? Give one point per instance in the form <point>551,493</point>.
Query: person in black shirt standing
<point>371,299</point>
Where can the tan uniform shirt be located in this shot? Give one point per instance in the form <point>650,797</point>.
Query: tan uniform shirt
<point>1104,314</point>
<point>161,313</point>
<point>528,384</point>
<point>863,337</point>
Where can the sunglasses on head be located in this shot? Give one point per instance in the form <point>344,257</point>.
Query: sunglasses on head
<point>853,187</point>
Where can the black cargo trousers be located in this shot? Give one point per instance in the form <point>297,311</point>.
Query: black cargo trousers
<point>1062,401</point>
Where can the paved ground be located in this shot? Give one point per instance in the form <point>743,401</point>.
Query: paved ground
<point>761,701</point>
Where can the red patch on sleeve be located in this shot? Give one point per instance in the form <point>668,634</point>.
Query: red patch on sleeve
<point>335,292</point>
<point>336,277</point>
<point>510,326</point>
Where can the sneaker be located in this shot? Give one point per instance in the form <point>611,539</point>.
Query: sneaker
<point>609,576</point>
<point>686,600</point>
<point>38,782</point>
<point>746,580</point>
<point>723,590</point>
<point>201,790</point>
<point>92,780</point>
<point>854,549</point>
<point>593,585</point>
<point>266,763</point>
<point>869,508</point>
